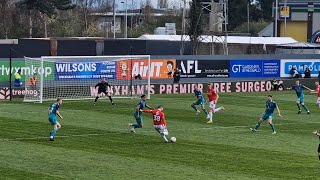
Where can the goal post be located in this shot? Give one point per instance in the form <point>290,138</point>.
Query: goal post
<point>75,77</point>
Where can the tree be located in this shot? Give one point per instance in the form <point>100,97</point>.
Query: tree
<point>255,27</point>
<point>3,14</point>
<point>266,8</point>
<point>195,29</point>
<point>46,7</point>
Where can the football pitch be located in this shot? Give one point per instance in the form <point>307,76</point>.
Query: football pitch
<point>94,142</point>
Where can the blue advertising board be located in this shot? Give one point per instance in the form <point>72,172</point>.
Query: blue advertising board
<point>300,65</point>
<point>85,70</point>
<point>254,68</point>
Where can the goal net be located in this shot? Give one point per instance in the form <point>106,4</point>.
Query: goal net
<point>75,77</point>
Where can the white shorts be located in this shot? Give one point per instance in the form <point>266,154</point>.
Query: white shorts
<point>161,129</point>
<point>212,104</point>
<point>318,100</point>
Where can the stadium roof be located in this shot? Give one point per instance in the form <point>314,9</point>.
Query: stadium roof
<point>230,39</point>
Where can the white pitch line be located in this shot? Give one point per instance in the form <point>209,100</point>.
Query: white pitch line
<point>146,131</point>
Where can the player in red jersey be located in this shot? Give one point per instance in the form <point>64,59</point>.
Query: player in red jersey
<point>213,99</point>
<point>318,93</point>
<point>159,121</point>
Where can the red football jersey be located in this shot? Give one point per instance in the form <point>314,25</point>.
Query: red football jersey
<point>158,117</point>
<point>212,94</point>
<point>318,89</point>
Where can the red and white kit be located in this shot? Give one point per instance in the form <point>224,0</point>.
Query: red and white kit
<point>159,121</point>
<point>212,95</point>
<point>318,95</point>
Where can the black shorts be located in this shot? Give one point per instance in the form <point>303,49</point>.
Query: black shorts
<point>104,92</point>
<point>319,148</point>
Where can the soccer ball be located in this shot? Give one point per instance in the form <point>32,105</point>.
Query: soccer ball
<point>173,139</point>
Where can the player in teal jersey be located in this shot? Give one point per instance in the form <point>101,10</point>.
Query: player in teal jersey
<point>138,114</point>
<point>270,107</point>
<point>300,94</point>
<point>317,133</point>
<point>53,110</point>
<point>200,101</point>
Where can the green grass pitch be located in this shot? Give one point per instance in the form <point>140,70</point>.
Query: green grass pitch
<point>94,142</point>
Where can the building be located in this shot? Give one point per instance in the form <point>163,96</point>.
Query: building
<point>298,19</point>
<point>134,18</point>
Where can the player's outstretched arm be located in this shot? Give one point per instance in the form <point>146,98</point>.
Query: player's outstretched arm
<point>146,111</point>
<point>58,113</point>
<point>313,91</point>
<point>278,110</point>
<point>149,106</point>
<point>49,108</point>
<point>307,88</point>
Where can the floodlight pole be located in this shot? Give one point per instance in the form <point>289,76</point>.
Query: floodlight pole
<point>276,20</point>
<point>10,73</point>
<point>126,21</point>
<point>183,27</point>
<point>114,18</point>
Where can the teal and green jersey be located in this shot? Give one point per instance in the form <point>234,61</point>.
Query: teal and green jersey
<point>299,89</point>
<point>142,104</point>
<point>270,107</point>
<point>54,108</point>
<point>198,93</point>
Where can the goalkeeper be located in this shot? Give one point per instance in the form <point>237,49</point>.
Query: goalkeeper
<point>105,88</point>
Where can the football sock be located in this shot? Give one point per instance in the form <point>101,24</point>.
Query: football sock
<point>110,98</point>
<point>257,125</point>
<point>217,110</point>
<point>194,107</point>
<point>299,107</point>
<point>211,115</point>
<point>164,137</point>
<point>205,111</point>
<point>53,132</point>
<point>136,126</point>
<point>272,127</point>
<point>305,108</point>
<point>96,99</point>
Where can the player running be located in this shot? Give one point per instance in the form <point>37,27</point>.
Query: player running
<point>268,114</point>
<point>53,110</point>
<point>318,93</point>
<point>300,94</point>
<point>138,114</point>
<point>200,101</point>
<point>213,100</point>
<point>159,122</point>
<point>102,88</point>
<point>317,133</point>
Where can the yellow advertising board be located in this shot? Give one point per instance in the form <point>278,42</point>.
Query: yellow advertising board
<point>284,11</point>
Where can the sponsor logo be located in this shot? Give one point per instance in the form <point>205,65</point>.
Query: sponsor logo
<point>127,69</point>
<point>5,93</point>
<point>85,70</point>
<point>254,68</point>
<point>76,67</point>
<point>300,65</point>
<point>203,68</point>
<point>245,68</point>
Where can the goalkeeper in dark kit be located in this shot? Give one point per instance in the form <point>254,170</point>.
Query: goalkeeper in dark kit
<point>105,88</point>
